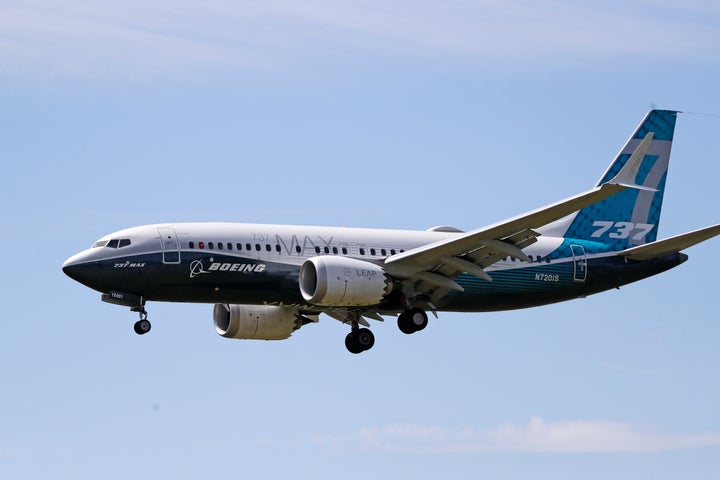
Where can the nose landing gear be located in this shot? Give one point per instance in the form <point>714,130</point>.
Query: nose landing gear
<point>136,304</point>
<point>143,325</point>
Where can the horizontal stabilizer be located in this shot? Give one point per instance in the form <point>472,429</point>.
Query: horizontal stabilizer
<point>670,245</point>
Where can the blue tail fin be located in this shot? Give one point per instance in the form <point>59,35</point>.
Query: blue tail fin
<point>631,217</point>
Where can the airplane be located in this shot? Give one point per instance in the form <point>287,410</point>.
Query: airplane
<point>268,281</point>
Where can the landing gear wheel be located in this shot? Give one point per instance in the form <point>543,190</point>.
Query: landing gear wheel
<point>142,326</point>
<point>404,324</point>
<point>365,338</point>
<point>413,320</point>
<point>351,344</point>
<point>359,340</point>
<point>418,318</point>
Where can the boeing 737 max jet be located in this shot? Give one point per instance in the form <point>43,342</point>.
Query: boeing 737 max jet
<point>267,281</point>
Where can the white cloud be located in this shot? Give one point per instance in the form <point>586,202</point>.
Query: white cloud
<point>576,436</point>
<point>139,39</point>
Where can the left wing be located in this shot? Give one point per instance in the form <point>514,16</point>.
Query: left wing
<point>434,266</point>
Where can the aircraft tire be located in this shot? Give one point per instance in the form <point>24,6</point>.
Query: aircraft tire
<point>418,319</point>
<point>413,320</point>
<point>364,338</point>
<point>404,324</point>
<point>142,327</point>
<point>351,344</point>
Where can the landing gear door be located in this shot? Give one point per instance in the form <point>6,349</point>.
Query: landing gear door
<point>169,244</point>
<point>580,261</point>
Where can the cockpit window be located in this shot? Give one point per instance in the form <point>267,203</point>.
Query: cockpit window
<point>114,243</point>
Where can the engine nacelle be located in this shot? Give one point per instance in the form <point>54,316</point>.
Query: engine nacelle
<point>260,322</point>
<point>343,282</point>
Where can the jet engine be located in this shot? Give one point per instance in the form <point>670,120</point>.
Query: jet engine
<point>343,282</point>
<point>260,322</point>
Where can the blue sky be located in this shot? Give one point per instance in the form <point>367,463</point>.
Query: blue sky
<point>363,114</point>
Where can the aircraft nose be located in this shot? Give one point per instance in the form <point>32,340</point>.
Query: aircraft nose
<point>79,267</point>
<point>70,268</point>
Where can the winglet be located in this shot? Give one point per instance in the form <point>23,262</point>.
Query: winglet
<point>628,173</point>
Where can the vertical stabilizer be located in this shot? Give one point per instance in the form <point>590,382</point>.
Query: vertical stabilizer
<point>631,217</point>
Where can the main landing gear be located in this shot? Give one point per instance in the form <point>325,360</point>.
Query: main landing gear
<point>413,320</point>
<point>359,339</point>
<point>143,325</point>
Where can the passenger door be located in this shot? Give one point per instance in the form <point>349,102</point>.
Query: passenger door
<point>170,245</point>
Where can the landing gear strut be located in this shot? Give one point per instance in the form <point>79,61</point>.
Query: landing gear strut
<point>413,320</point>
<point>143,325</point>
<point>359,339</point>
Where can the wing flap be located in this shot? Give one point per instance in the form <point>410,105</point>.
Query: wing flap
<point>438,280</point>
<point>670,245</point>
<point>461,265</point>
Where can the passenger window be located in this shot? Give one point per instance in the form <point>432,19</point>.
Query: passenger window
<point>335,250</point>
<point>191,244</point>
<point>317,249</point>
<point>344,250</point>
<point>248,247</point>
<point>239,246</point>
<point>211,245</point>
<point>326,250</point>
<point>257,247</point>
<point>229,245</point>
<point>201,245</point>
<point>277,248</point>
<point>362,251</point>
<point>392,251</point>
<point>372,251</point>
<point>268,247</point>
<point>298,249</point>
<point>383,252</point>
<point>220,246</point>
